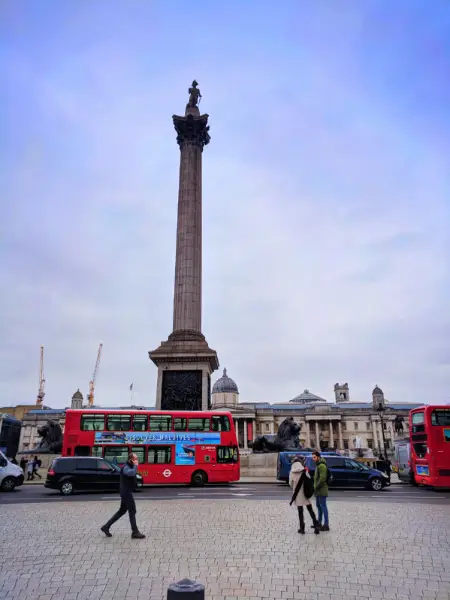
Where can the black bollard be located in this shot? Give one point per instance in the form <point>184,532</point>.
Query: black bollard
<point>186,590</point>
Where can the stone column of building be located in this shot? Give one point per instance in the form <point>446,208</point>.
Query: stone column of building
<point>331,435</point>
<point>341,439</point>
<point>236,427</point>
<point>245,435</point>
<point>375,437</point>
<point>317,436</point>
<point>308,435</point>
<point>392,432</point>
<point>253,430</point>
<point>185,361</point>
<point>272,427</point>
<point>380,437</point>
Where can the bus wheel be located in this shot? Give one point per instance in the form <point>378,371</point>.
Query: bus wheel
<point>199,478</point>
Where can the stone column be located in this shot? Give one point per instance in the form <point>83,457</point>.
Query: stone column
<point>308,435</point>
<point>187,306</point>
<point>185,361</point>
<point>245,435</point>
<point>272,427</point>
<point>317,436</point>
<point>331,435</point>
<point>375,437</point>
<point>254,430</point>
<point>341,439</point>
<point>236,426</point>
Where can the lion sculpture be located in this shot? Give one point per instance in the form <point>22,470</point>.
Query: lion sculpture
<point>287,438</point>
<point>51,442</point>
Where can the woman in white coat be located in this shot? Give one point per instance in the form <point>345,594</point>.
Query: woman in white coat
<point>297,478</point>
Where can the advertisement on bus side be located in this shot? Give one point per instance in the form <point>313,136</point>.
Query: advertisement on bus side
<point>188,438</point>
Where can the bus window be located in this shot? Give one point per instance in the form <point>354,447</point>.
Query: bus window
<point>440,417</point>
<point>92,422</point>
<point>160,455</point>
<point>179,424</point>
<point>160,423</point>
<point>139,422</point>
<point>220,423</point>
<point>227,454</point>
<point>140,453</point>
<point>119,423</point>
<point>198,424</point>
<point>420,450</point>
<point>116,454</point>
<point>97,451</point>
<point>82,451</point>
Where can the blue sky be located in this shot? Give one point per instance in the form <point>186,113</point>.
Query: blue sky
<point>326,193</point>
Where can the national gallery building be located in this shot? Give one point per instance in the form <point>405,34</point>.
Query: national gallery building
<point>343,424</point>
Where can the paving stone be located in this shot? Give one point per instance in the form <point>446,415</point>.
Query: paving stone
<point>240,550</point>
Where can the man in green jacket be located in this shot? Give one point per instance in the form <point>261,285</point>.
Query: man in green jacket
<point>321,490</point>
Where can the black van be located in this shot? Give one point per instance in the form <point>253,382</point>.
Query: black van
<point>85,474</point>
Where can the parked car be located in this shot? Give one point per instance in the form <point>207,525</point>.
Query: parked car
<point>87,474</point>
<point>11,475</point>
<point>286,458</point>
<point>351,473</point>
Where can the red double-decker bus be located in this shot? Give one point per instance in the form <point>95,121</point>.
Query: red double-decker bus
<point>429,428</point>
<point>172,447</point>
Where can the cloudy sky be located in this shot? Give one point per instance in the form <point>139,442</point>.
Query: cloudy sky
<point>326,193</point>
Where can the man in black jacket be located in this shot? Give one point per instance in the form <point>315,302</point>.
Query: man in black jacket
<point>127,486</point>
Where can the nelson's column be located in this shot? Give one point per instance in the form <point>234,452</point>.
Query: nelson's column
<point>185,361</point>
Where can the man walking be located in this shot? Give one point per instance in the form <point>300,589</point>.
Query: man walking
<point>127,503</point>
<point>321,490</point>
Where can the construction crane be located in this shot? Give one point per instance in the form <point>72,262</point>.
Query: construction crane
<point>41,384</point>
<point>94,377</point>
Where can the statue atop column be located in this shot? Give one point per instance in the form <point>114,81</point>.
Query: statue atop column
<point>194,100</point>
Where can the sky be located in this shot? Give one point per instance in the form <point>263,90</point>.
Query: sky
<point>326,194</point>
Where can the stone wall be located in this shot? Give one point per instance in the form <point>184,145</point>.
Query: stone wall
<point>259,465</point>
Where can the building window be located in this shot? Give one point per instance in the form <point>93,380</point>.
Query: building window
<point>345,445</point>
<point>384,426</point>
<point>356,426</point>
<point>267,427</point>
<point>368,426</point>
<point>344,425</point>
<point>370,444</point>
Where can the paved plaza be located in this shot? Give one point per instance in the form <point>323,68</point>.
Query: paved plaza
<point>238,549</point>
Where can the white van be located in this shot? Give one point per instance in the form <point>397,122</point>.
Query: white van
<point>11,475</point>
<point>403,458</point>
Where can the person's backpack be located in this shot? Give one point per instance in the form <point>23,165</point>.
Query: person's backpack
<point>329,476</point>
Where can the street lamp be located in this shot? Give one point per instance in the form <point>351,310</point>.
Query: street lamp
<point>380,410</point>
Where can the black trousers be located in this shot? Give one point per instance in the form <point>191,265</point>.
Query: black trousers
<point>127,504</point>
<point>310,509</point>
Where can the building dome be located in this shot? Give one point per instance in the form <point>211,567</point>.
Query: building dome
<point>377,391</point>
<point>78,395</point>
<point>225,385</point>
<point>307,398</point>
